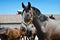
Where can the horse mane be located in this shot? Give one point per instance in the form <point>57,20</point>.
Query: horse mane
<point>36,9</point>
<point>40,16</point>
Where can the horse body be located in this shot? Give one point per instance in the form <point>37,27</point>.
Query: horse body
<point>52,28</point>
<point>49,26</point>
<point>52,24</point>
<point>13,34</point>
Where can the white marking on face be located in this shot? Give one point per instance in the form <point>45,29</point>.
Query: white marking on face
<point>28,13</point>
<point>24,13</point>
<point>30,27</point>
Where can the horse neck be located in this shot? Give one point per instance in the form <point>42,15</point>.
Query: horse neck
<point>37,24</point>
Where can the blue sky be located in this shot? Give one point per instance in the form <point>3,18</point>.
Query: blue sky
<point>45,6</point>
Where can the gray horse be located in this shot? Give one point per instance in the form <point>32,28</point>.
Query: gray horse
<point>30,14</point>
<point>46,27</point>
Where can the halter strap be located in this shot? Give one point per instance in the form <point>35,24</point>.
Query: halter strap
<point>27,23</point>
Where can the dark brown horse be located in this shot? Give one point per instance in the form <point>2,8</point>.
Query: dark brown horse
<point>46,27</point>
<point>3,35</point>
<point>31,14</point>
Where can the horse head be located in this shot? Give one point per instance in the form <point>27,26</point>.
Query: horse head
<point>26,12</point>
<point>29,12</point>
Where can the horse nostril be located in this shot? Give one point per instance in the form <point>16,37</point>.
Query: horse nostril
<point>27,15</point>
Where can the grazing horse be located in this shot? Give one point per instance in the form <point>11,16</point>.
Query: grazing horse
<point>13,34</point>
<point>46,27</point>
<point>32,14</point>
<point>51,17</point>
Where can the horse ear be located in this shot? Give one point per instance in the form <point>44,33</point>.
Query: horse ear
<point>29,5</point>
<point>23,5</point>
